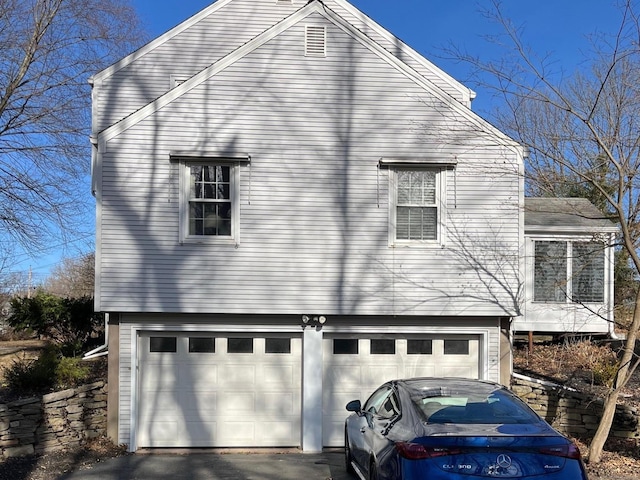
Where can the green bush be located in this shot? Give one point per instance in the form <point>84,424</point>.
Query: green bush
<point>50,371</point>
<point>68,322</point>
<point>27,376</point>
<point>70,371</point>
<point>604,372</point>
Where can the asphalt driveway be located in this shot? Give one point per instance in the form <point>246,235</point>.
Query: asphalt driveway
<point>217,466</point>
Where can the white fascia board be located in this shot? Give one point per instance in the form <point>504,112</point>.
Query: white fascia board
<point>159,41</point>
<point>465,91</point>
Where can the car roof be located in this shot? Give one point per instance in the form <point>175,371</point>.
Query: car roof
<point>438,387</point>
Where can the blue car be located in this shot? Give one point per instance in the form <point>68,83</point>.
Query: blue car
<point>454,429</point>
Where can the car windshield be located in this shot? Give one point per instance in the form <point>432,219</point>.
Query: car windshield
<point>496,407</point>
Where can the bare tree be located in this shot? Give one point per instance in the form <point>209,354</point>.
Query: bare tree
<point>583,133</point>
<point>72,278</point>
<point>48,50</point>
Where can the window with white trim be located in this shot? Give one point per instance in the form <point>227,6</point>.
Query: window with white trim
<point>566,271</point>
<point>209,199</point>
<point>416,215</point>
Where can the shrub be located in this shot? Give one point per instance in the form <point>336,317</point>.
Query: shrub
<point>70,371</point>
<point>50,371</point>
<point>28,376</point>
<point>69,322</point>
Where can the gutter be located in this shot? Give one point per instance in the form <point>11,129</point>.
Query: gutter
<point>102,350</point>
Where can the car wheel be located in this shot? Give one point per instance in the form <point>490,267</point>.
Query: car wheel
<point>347,454</point>
<point>373,471</point>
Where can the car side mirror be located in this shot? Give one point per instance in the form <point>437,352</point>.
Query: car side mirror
<point>354,406</point>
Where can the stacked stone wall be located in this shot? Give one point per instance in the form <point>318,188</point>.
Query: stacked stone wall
<point>53,422</point>
<point>572,412</point>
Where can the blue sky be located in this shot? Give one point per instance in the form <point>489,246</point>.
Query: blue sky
<point>559,28</point>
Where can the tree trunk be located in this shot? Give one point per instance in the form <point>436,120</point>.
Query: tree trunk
<point>622,377</point>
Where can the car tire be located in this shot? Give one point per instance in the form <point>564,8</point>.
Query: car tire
<point>347,455</point>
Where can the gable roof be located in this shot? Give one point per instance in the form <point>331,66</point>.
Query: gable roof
<point>566,214</point>
<point>317,7</point>
<point>393,43</point>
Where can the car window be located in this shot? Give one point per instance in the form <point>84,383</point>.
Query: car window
<point>375,403</point>
<point>496,408</point>
<point>390,407</point>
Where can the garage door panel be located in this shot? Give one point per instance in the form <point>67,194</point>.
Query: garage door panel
<point>198,401</point>
<point>163,432</point>
<point>278,375</point>
<point>285,432</point>
<point>450,371</point>
<point>156,379</point>
<point>239,433</point>
<point>199,433</point>
<point>217,398</point>
<point>203,376</point>
<point>241,402</point>
<point>375,360</point>
<point>343,374</point>
<point>376,375</point>
<point>238,375</point>
<point>282,403</point>
<point>420,371</point>
<point>338,401</point>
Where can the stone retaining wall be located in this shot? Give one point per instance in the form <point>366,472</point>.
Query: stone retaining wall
<point>53,422</point>
<point>571,412</point>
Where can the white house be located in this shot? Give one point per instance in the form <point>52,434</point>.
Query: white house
<point>293,206</point>
<point>569,265</point>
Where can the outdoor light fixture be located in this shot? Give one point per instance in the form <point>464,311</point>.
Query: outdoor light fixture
<point>314,319</point>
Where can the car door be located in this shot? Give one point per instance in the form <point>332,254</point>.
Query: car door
<point>378,416</point>
<point>359,428</point>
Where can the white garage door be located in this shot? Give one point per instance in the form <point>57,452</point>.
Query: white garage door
<point>354,367</point>
<point>210,390</point>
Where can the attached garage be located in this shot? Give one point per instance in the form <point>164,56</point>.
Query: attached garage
<point>225,386</point>
<point>219,390</point>
<point>353,366</point>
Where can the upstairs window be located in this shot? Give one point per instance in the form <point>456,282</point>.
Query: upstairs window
<point>568,271</point>
<point>416,206</point>
<point>209,199</point>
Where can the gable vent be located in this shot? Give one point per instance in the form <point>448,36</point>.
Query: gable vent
<point>315,41</point>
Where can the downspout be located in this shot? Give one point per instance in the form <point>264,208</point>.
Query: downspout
<point>611,292</point>
<point>102,350</point>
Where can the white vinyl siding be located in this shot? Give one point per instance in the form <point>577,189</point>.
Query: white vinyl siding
<point>314,206</point>
<point>120,91</point>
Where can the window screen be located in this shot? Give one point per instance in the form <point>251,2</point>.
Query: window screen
<point>587,280</point>
<point>550,272</point>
